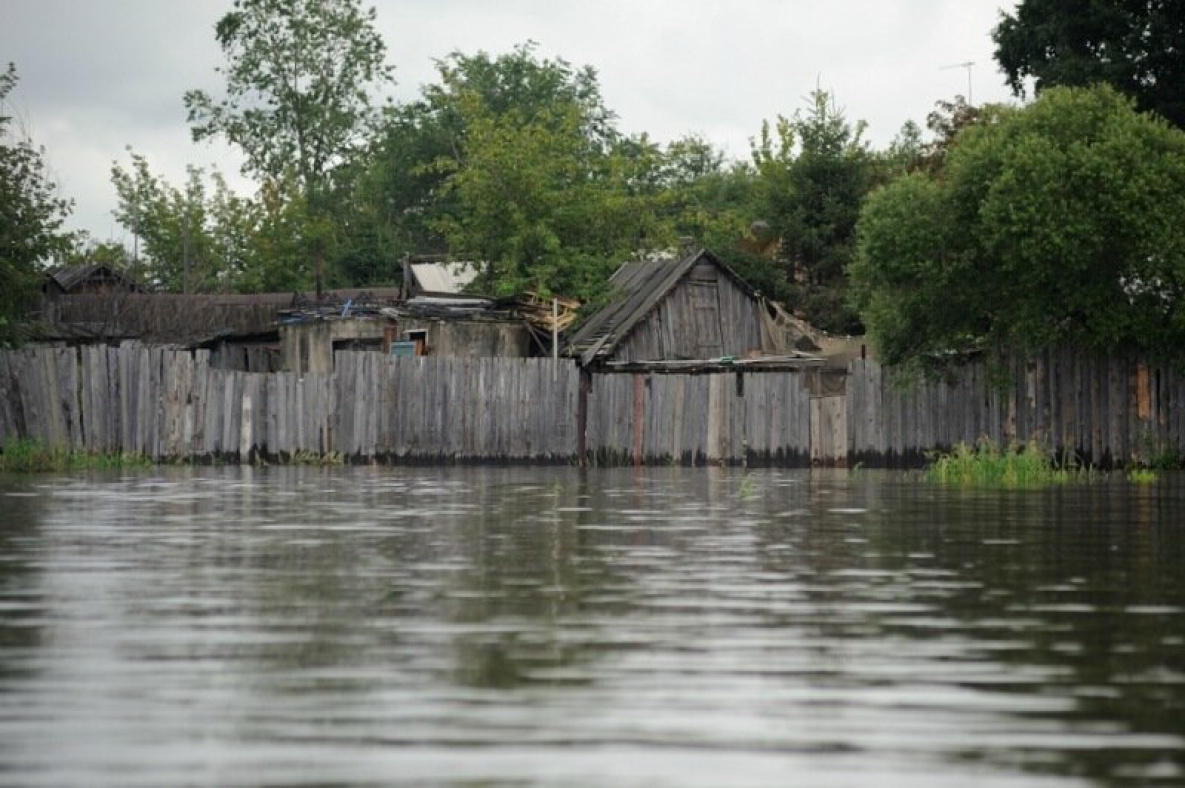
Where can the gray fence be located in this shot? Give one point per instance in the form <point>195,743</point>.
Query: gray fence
<point>1110,410</point>
<point>692,419</point>
<point>170,404</point>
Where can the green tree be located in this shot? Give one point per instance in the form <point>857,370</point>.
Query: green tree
<point>31,216</point>
<point>274,240</point>
<point>299,77</point>
<point>1133,45</point>
<point>202,237</point>
<point>170,225</point>
<point>1058,223</point>
<point>85,249</point>
<point>813,171</point>
<point>713,202</point>
<point>543,205</point>
<point>400,197</point>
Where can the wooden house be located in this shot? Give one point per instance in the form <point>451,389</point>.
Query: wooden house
<point>448,325</point>
<point>695,308</point>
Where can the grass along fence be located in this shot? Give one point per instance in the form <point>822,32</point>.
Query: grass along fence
<point>1102,411</point>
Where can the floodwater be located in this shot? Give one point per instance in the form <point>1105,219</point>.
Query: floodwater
<point>537,626</point>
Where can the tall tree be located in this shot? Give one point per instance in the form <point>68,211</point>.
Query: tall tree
<point>298,98</point>
<point>31,216</point>
<point>545,207</point>
<point>813,171</point>
<point>1135,46</point>
<point>169,223</point>
<point>1058,223</point>
<point>401,197</point>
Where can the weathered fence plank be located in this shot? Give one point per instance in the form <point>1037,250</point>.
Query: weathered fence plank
<point>169,403</point>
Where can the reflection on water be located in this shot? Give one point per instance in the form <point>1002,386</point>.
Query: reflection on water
<point>509,626</point>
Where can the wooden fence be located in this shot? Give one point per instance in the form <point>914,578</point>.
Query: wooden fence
<point>694,419</point>
<point>1105,410</point>
<point>172,404</point>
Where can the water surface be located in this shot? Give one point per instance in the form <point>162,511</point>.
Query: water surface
<point>495,626</point>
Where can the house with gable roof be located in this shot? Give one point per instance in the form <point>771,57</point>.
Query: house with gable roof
<point>695,308</point>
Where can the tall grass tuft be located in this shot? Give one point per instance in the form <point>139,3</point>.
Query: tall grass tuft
<point>22,455</point>
<point>986,465</point>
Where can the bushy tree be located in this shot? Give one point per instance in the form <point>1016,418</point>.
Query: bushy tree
<point>400,195</point>
<point>514,160</point>
<point>85,249</point>
<point>813,171</point>
<point>31,216</point>
<point>203,238</point>
<point>543,205</point>
<point>1059,223</point>
<point>1133,45</point>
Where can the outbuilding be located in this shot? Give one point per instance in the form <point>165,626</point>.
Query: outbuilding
<point>693,308</point>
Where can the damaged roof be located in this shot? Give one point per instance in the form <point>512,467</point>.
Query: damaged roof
<point>68,277</point>
<point>638,287</point>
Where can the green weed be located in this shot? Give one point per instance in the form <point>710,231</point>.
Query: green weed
<point>303,457</point>
<point>986,465</point>
<point>23,455</point>
<point>1142,476</point>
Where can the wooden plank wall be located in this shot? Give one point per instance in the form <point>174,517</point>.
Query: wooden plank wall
<point>664,335</point>
<point>172,404</point>
<point>430,408</point>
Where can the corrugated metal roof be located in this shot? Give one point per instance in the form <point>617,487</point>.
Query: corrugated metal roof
<point>443,277</point>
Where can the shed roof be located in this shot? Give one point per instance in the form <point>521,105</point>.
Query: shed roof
<point>173,318</point>
<point>638,287</point>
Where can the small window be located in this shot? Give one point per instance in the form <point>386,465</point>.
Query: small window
<point>419,338</point>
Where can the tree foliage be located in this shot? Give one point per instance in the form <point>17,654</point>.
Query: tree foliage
<point>543,205</point>
<point>1133,45</point>
<point>514,160</point>
<point>400,193</point>
<point>1058,223</point>
<point>204,238</point>
<point>813,171</point>
<point>31,216</point>
<point>299,77</point>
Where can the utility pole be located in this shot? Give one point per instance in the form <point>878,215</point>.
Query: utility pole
<point>185,249</point>
<point>136,229</point>
<point>967,65</point>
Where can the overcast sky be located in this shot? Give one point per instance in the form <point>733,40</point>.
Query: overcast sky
<point>97,76</point>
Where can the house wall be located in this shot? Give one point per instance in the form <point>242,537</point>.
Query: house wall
<point>705,316</point>
<point>477,338</point>
<point>308,347</point>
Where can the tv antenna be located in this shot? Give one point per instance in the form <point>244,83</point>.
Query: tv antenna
<point>967,65</point>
